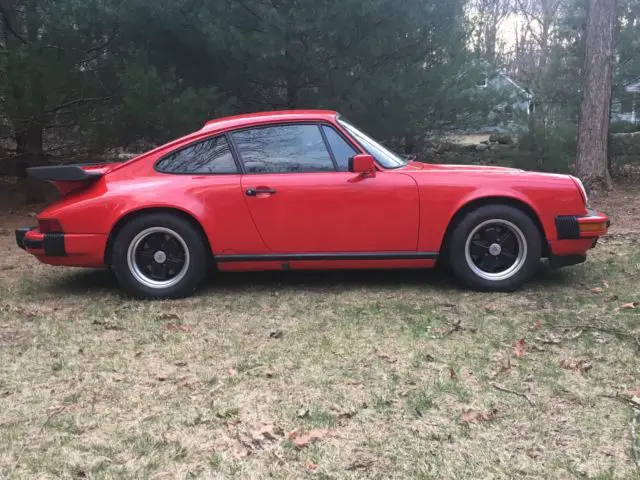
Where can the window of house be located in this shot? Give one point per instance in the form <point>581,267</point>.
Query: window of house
<point>627,103</point>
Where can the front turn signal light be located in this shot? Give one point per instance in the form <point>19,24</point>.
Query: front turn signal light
<point>593,227</point>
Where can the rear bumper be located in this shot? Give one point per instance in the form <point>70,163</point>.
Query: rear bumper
<point>80,250</point>
<point>52,244</point>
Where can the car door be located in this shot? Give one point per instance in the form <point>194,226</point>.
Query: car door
<point>302,200</point>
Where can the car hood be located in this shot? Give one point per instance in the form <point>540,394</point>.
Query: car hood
<point>461,168</point>
<point>428,170</point>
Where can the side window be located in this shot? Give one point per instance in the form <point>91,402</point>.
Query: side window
<point>342,151</point>
<point>211,156</point>
<point>283,149</point>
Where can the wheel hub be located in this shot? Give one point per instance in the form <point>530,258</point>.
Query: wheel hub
<point>158,257</point>
<point>495,249</point>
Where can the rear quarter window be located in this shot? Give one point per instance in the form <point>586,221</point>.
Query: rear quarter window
<point>211,156</point>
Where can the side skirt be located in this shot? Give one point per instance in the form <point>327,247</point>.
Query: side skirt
<point>302,257</point>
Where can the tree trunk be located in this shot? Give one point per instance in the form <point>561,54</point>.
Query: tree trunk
<point>595,108</point>
<point>490,39</point>
<point>30,152</point>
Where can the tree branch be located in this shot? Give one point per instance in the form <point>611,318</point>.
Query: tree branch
<point>513,392</point>
<point>7,25</point>
<point>77,101</point>
<point>104,44</point>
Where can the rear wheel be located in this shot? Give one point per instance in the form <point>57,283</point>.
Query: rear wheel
<point>159,255</point>
<point>496,248</point>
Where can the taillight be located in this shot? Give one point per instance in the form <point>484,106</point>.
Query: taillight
<point>48,225</point>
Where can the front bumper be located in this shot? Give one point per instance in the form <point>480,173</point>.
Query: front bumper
<point>592,225</point>
<point>51,244</point>
<point>575,236</point>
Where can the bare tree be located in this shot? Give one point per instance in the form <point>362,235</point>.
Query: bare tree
<point>489,15</point>
<point>595,108</point>
<point>540,16</point>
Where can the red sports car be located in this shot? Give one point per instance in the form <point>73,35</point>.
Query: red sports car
<point>304,190</point>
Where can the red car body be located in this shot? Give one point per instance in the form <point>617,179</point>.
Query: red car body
<point>390,218</point>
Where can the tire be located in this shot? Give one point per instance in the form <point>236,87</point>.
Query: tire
<point>495,248</point>
<point>158,256</point>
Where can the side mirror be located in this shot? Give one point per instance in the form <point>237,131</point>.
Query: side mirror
<point>363,164</point>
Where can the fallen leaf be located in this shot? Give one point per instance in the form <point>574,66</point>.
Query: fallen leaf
<point>628,306</point>
<point>633,392</point>
<point>473,416</point>
<point>518,350</point>
<point>301,440</point>
<point>576,335</point>
<point>361,464</point>
<point>386,357</point>
<point>177,327</point>
<point>440,330</point>
<point>581,365</point>
<point>276,334</point>
<point>341,412</point>
<point>266,431</point>
<point>505,368</point>
<point>457,326</point>
<point>118,378</point>
<point>596,290</point>
<point>240,451</point>
<point>310,465</point>
<point>232,372</point>
<point>549,340</point>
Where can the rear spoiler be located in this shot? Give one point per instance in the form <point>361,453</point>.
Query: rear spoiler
<point>64,173</point>
<point>67,178</point>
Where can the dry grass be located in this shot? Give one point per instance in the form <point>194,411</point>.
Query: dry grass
<point>384,366</point>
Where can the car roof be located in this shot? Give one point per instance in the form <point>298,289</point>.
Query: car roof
<point>253,119</point>
<point>241,121</point>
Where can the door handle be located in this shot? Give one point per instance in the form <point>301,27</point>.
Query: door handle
<point>254,192</point>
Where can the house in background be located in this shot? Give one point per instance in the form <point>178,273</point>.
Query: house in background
<point>627,107</point>
<point>510,95</point>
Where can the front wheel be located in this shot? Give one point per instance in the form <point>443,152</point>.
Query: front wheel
<point>495,248</point>
<point>159,255</point>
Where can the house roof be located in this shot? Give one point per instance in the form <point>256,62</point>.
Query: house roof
<point>633,87</point>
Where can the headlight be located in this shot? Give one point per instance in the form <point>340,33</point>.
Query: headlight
<point>582,190</point>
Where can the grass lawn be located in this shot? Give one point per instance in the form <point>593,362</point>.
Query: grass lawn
<point>343,375</point>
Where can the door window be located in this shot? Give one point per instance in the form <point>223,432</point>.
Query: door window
<point>283,149</point>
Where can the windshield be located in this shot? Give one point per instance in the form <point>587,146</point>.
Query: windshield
<point>384,156</point>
